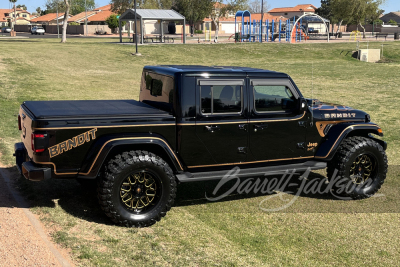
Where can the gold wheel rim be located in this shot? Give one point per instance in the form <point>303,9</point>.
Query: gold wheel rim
<point>361,169</point>
<point>138,191</point>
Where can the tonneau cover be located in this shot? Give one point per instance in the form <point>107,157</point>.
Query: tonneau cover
<point>90,108</point>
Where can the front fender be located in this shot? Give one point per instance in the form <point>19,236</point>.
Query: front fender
<point>104,145</point>
<point>339,132</point>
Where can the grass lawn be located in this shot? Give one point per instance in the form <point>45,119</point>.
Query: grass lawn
<point>315,230</point>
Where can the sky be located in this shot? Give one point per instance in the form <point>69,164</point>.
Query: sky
<point>389,6</point>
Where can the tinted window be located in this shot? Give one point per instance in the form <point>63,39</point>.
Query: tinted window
<point>273,98</point>
<point>157,90</point>
<point>221,99</point>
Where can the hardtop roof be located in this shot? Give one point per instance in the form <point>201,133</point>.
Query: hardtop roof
<point>198,69</point>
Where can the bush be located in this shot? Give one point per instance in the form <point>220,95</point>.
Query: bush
<point>198,31</point>
<point>74,23</point>
<point>392,22</point>
<point>113,22</point>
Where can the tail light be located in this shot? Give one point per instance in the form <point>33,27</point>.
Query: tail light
<point>19,123</point>
<point>39,142</point>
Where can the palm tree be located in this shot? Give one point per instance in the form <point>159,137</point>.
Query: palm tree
<point>15,14</point>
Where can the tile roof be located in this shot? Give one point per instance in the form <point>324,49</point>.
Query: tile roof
<point>255,16</point>
<point>298,8</point>
<point>3,17</point>
<point>101,16</point>
<point>48,17</point>
<point>103,8</point>
<point>81,16</point>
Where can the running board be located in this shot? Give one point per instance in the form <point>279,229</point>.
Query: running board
<point>251,172</point>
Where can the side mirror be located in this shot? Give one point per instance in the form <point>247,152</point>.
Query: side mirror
<point>303,105</point>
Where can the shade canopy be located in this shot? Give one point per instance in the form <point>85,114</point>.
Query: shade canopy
<point>152,14</point>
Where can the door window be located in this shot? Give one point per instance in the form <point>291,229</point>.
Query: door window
<point>273,98</point>
<point>217,99</point>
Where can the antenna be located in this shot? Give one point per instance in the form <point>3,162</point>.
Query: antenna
<point>312,92</point>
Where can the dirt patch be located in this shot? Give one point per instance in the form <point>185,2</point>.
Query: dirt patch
<point>20,243</point>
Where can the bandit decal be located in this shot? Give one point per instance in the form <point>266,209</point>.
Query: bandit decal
<point>72,143</point>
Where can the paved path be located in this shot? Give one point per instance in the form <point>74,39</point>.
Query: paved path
<point>23,242</point>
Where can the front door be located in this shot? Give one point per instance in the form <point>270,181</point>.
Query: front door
<point>221,121</point>
<point>277,128</point>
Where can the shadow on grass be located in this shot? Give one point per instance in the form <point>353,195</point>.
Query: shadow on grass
<point>81,201</point>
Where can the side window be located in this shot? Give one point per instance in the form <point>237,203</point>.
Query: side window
<point>273,98</point>
<point>217,99</point>
<point>157,90</point>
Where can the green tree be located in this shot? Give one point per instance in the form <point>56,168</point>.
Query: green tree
<point>220,10</point>
<point>76,6</point>
<point>120,6</point>
<point>326,12</point>
<point>22,7</point>
<point>194,11</point>
<point>356,11</point>
<point>392,22</point>
<point>113,23</point>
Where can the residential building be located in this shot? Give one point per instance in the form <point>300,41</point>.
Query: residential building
<point>391,16</point>
<point>8,15</point>
<point>290,12</point>
<point>49,19</point>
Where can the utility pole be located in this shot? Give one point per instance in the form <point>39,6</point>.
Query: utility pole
<point>58,29</point>
<point>136,36</point>
<point>262,18</point>
<point>86,19</point>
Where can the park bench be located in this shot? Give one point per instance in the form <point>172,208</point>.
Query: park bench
<point>381,34</point>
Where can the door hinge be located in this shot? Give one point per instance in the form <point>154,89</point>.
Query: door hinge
<point>242,150</point>
<point>300,145</point>
<point>302,123</point>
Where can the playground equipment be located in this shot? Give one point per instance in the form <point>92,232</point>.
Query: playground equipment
<point>355,34</point>
<point>288,30</point>
<point>250,30</point>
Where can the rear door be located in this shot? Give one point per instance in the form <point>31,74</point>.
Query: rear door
<point>277,129</point>
<point>221,119</point>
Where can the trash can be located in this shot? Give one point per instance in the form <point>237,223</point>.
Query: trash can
<point>396,36</point>
<point>172,27</point>
<point>237,36</point>
<point>340,34</point>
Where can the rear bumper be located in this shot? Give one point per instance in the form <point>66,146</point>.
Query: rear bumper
<point>27,168</point>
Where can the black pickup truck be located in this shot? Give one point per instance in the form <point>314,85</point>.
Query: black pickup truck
<point>195,123</point>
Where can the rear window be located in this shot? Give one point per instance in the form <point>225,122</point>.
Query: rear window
<point>157,90</point>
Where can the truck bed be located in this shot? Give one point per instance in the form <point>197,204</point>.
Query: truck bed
<point>91,108</point>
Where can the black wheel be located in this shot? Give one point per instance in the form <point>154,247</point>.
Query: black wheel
<point>361,164</point>
<point>137,189</point>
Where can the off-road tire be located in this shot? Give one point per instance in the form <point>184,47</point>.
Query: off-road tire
<point>118,170</point>
<point>350,149</point>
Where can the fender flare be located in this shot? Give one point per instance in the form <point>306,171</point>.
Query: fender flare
<point>100,150</point>
<point>339,132</point>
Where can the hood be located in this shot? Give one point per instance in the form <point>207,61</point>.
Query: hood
<point>334,112</point>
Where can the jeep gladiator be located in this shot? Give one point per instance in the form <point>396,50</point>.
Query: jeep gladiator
<point>195,123</point>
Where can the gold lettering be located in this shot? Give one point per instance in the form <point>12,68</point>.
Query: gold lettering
<point>92,132</point>
<point>81,139</point>
<point>53,151</point>
<point>72,143</point>
<point>63,147</point>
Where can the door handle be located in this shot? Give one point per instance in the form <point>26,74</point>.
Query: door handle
<point>212,128</point>
<point>259,127</point>
<point>243,127</point>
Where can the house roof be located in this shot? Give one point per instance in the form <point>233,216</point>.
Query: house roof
<point>3,12</point>
<point>101,16</point>
<point>103,8</point>
<point>152,14</point>
<point>48,17</point>
<point>255,16</point>
<point>298,8</point>
<point>81,16</point>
